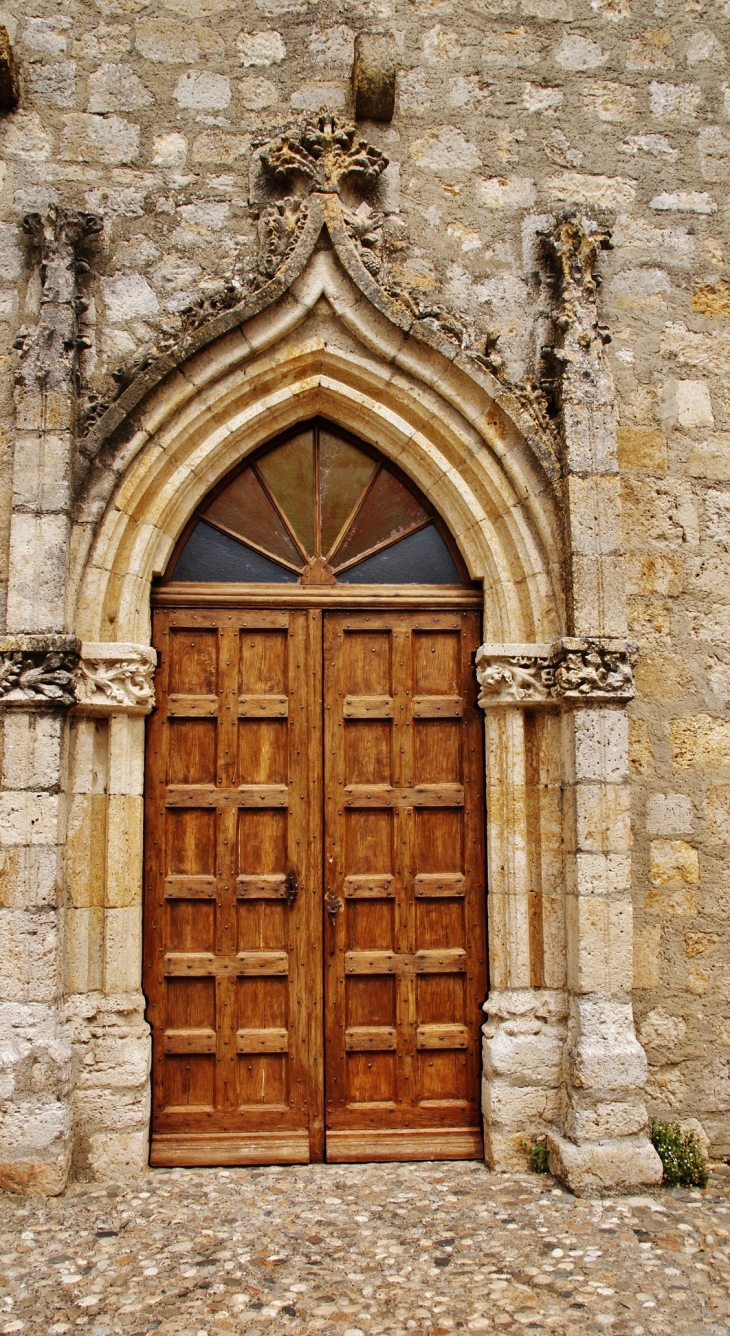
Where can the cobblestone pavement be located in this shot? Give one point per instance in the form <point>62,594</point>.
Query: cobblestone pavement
<point>360,1250</point>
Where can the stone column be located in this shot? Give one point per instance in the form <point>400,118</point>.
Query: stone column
<point>38,662</point>
<point>524,1037</point>
<point>104,1000</point>
<point>605,1143</point>
<point>36,688</point>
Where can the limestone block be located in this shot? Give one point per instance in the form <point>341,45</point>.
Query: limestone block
<point>42,474</point>
<point>88,755</point>
<point>261,48</point>
<point>86,850</point>
<point>676,900</point>
<point>599,595</point>
<point>127,296</point>
<point>641,756</point>
<point>106,139</point>
<point>674,101</point>
<point>503,1150</point>
<point>35,1135</point>
<point>669,814</point>
<point>532,1057</point>
<point>600,745</point>
<point>83,948</point>
<point>595,515</point>
<point>603,817</point>
<point>688,404</point>
<point>600,941</point>
<point>117,1059</point>
<point>36,593</point>
<point>710,458</point>
<point>119,1157</point>
<point>124,850</point>
<point>126,755</point>
<point>642,448</point>
<point>605,1052</point>
<point>589,1120</point>
<point>717,814</point>
<point>123,946</point>
<point>200,90</point>
<point>32,746</point>
<point>170,40</point>
<point>647,940</point>
<point>521,1108</point>
<point>607,875</point>
<point>114,87</point>
<point>673,861</point>
<point>30,818</point>
<point>29,876</point>
<point>596,1167</point>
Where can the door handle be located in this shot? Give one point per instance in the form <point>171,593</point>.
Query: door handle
<point>333,905</point>
<point>291,887</point>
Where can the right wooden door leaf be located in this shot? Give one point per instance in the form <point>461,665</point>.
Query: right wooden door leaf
<point>405,961</point>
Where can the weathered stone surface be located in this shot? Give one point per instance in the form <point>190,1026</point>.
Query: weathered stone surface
<point>373,76</point>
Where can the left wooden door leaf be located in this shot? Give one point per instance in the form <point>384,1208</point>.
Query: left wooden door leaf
<point>232,860</point>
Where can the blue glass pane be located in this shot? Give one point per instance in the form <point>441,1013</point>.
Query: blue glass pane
<point>421,558</point>
<point>213,556</point>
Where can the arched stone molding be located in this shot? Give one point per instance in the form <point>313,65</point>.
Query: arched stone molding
<point>323,349</point>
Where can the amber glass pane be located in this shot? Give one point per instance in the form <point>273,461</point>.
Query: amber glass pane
<point>244,509</point>
<point>289,472</point>
<point>343,472</point>
<point>388,509</point>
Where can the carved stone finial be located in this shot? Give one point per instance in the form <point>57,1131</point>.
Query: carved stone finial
<point>324,154</point>
<point>49,351</point>
<point>576,242</point>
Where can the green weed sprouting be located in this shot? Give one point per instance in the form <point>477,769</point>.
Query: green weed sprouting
<point>681,1155</point>
<point>537,1155</point>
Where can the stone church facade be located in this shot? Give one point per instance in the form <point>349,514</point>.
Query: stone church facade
<point>490,240</point>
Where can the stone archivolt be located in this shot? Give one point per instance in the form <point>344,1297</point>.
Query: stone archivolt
<point>573,670</point>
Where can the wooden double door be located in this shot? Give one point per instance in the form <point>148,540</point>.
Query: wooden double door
<point>315,954</point>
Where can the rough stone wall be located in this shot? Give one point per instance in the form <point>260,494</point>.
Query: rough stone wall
<point>506,112</point>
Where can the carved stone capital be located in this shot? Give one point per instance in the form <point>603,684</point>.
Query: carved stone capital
<point>38,671</point>
<point>115,679</point>
<point>323,155</point>
<point>575,670</point>
<point>513,675</point>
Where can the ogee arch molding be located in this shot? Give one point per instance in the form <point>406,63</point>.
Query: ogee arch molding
<point>323,348</point>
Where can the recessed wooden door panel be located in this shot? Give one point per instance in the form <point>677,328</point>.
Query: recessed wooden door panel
<point>405,949</point>
<point>233,887</point>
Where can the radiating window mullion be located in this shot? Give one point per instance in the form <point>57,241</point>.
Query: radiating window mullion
<point>282,516</point>
<point>342,535</point>
<point>380,547</point>
<point>248,542</point>
<point>316,498</point>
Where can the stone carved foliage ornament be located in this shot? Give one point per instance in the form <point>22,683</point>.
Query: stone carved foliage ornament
<point>38,670</point>
<point>324,154</point>
<point>573,670</point>
<point>116,678</point>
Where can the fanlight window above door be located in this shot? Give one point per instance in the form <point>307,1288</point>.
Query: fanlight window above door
<point>316,508</point>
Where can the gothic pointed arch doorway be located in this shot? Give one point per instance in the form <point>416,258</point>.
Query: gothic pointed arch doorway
<point>315,908</point>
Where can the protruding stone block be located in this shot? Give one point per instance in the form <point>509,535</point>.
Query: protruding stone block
<point>9,79</point>
<point>373,76</point>
<point>622,1163</point>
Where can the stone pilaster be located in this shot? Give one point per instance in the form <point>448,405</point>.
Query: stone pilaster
<point>524,1036</point>
<point>104,1002</point>
<point>603,1141</point>
<point>37,677</point>
<point>38,668</point>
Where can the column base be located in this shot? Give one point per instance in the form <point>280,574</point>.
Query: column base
<point>594,1167</point>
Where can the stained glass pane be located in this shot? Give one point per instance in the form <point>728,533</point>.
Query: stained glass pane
<point>420,558</point>
<point>289,472</point>
<point>388,509</point>
<point>212,556</point>
<point>343,473</point>
<point>244,509</point>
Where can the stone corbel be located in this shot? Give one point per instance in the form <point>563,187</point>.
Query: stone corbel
<point>9,78</point>
<point>586,670</point>
<point>38,671</point>
<point>115,679</point>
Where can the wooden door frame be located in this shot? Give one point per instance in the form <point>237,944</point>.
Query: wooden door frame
<point>316,600</point>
